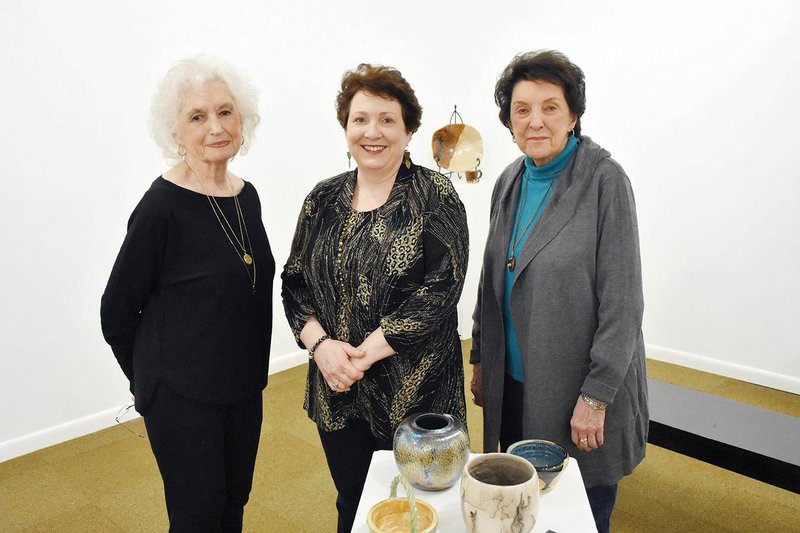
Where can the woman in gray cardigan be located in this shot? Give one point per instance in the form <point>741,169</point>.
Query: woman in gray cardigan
<point>557,345</point>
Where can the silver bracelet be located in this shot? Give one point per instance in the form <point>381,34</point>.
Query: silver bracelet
<point>597,405</point>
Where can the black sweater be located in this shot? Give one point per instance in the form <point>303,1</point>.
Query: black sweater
<point>179,306</point>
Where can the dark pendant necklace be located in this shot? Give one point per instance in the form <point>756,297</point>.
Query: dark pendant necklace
<point>511,262</point>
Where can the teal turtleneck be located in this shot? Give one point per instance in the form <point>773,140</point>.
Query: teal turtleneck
<point>540,184</point>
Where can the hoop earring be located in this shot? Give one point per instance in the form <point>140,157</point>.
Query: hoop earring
<point>407,159</point>
<point>181,154</point>
<point>348,160</point>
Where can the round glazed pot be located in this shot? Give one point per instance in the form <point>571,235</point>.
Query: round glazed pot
<point>431,449</point>
<point>499,493</point>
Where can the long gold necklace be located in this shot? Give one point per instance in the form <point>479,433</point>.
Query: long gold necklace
<point>246,258</point>
<point>342,331</point>
<point>516,237</point>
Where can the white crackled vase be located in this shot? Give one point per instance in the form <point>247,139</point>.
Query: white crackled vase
<point>499,493</point>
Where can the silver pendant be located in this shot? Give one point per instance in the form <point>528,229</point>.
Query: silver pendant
<point>511,263</point>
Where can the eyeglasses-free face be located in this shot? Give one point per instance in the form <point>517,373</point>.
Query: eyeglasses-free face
<point>376,134</point>
<point>209,124</point>
<point>540,119</point>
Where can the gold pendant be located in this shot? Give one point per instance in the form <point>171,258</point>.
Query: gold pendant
<point>247,259</point>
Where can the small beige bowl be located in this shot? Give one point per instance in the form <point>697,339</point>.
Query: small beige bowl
<point>398,515</point>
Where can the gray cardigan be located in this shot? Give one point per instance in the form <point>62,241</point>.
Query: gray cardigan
<point>577,307</point>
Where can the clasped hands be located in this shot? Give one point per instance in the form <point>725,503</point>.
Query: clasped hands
<point>341,363</point>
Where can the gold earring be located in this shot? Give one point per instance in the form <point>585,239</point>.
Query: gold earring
<point>348,160</point>
<point>181,154</point>
<point>407,158</point>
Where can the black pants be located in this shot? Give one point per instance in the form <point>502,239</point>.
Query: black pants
<point>349,454</point>
<point>206,454</point>
<point>511,421</point>
<point>601,499</point>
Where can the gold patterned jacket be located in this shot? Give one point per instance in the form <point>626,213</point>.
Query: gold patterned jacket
<point>400,267</point>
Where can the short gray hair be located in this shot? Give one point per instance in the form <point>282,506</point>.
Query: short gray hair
<point>190,73</point>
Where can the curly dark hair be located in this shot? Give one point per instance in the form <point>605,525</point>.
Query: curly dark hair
<point>545,65</point>
<point>383,81</point>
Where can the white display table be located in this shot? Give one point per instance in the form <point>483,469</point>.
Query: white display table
<point>564,509</point>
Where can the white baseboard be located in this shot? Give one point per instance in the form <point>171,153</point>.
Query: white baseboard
<point>56,434</point>
<point>287,361</point>
<point>89,424</point>
<point>749,374</point>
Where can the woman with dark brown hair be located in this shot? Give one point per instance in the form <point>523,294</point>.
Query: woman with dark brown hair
<point>557,344</point>
<point>371,284</point>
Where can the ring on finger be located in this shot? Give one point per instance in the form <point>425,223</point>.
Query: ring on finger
<point>336,384</point>
<point>584,440</point>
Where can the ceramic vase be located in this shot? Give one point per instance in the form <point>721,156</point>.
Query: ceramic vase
<point>431,449</point>
<point>499,493</point>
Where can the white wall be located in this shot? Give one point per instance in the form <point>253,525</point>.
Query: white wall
<point>697,100</point>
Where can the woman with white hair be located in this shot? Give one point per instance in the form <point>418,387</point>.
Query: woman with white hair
<point>188,307</point>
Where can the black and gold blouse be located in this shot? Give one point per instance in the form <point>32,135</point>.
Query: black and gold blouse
<point>400,267</point>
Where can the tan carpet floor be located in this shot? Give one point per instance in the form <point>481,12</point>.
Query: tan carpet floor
<point>108,481</point>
